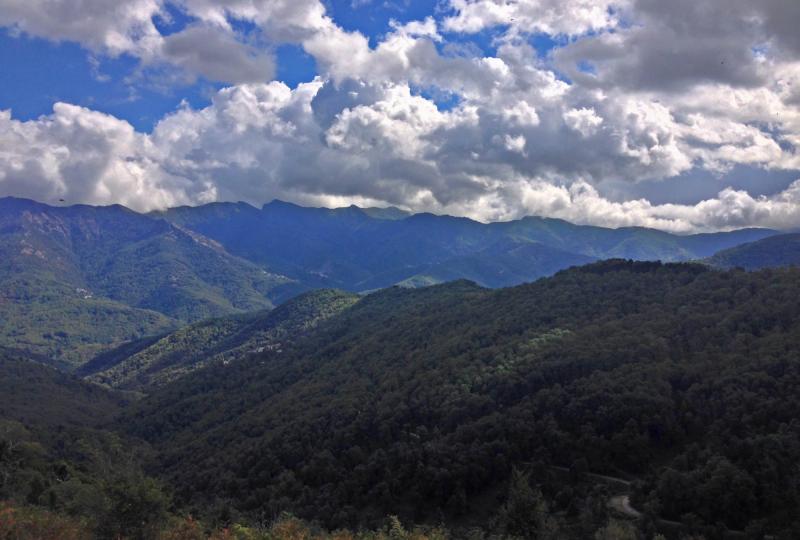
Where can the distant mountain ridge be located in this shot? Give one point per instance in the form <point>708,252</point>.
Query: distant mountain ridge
<point>79,280</point>
<point>771,252</point>
<point>507,262</point>
<point>349,248</point>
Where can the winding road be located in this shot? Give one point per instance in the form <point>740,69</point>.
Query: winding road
<point>622,504</point>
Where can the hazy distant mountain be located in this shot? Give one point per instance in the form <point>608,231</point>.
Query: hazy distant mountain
<point>775,251</point>
<point>153,362</point>
<point>78,279</point>
<point>507,262</point>
<point>350,249</point>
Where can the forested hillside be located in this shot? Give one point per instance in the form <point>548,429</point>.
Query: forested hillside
<point>505,263</point>
<point>225,339</point>
<point>772,252</point>
<point>56,454</point>
<point>453,404</point>
<point>421,402</point>
<point>77,280</point>
<point>65,476</point>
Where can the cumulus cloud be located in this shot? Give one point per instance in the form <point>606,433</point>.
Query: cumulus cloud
<point>260,141</point>
<point>112,27</point>
<point>570,17</point>
<point>639,90</point>
<point>667,46</point>
<point>217,56</point>
<point>585,121</point>
<point>86,156</point>
<point>214,51</point>
<point>730,209</point>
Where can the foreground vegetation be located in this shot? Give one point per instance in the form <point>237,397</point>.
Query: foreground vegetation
<point>29,523</point>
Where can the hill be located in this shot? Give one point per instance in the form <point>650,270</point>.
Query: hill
<point>507,262</point>
<point>56,453</point>
<point>65,476</point>
<point>39,396</point>
<point>772,252</point>
<point>422,402</point>
<point>80,279</point>
<point>154,362</point>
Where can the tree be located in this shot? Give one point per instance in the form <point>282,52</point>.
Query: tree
<point>525,513</point>
<point>616,530</point>
<point>138,509</point>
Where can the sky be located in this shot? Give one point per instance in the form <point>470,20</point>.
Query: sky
<point>680,115</point>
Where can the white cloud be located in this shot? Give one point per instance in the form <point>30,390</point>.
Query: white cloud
<point>570,17</point>
<point>679,86</point>
<point>86,156</point>
<point>102,26</point>
<point>515,143</point>
<point>581,203</point>
<point>113,28</point>
<point>260,141</point>
<point>426,28</point>
<point>585,121</point>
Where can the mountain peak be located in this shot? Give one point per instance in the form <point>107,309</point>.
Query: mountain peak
<point>278,203</point>
<point>387,213</point>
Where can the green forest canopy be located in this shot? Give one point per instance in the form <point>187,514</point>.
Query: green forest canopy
<point>419,402</point>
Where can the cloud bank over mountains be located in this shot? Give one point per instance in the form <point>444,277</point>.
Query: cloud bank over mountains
<point>421,117</point>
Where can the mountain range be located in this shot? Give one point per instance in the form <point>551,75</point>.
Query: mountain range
<point>79,279</point>
<point>76,281</point>
<point>358,250</point>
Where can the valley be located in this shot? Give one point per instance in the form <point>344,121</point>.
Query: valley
<point>500,402</point>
